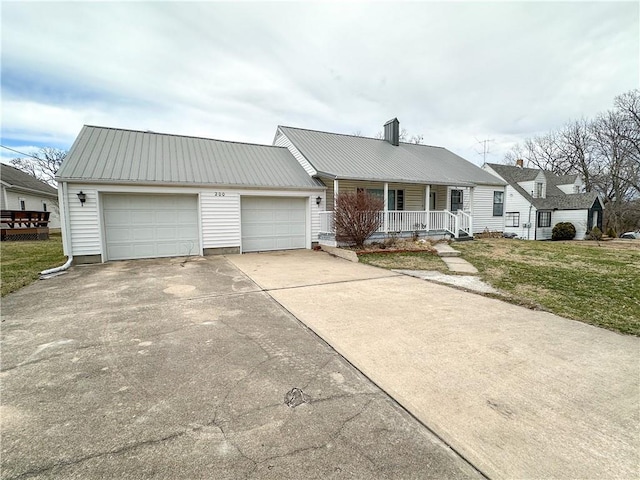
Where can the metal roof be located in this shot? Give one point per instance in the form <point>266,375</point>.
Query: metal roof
<point>111,155</point>
<point>362,158</point>
<point>14,177</point>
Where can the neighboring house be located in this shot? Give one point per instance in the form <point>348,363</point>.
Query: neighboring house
<point>425,189</point>
<point>536,200</point>
<point>147,195</point>
<point>21,191</point>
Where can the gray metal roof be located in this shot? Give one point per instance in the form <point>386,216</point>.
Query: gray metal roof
<point>14,177</point>
<point>362,158</point>
<point>556,198</point>
<point>111,155</point>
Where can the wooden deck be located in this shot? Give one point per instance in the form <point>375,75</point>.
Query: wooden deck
<point>24,225</point>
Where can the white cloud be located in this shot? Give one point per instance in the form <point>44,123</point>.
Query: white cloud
<point>451,71</point>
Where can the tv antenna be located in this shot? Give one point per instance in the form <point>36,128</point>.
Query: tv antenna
<point>484,148</point>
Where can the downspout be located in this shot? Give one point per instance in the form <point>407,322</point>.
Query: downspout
<point>63,200</point>
<point>529,223</point>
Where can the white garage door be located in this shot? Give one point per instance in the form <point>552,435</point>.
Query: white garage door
<point>273,223</point>
<point>147,226</point>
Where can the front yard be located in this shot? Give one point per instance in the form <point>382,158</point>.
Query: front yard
<point>586,281</point>
<point>21,262</point>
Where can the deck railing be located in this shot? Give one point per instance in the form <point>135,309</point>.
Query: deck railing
<point>412,221</point>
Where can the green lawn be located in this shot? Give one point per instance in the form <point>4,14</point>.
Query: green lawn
<point>21,262</point>
<point>596,284</point>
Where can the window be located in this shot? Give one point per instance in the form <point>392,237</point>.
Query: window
<point>498,204</point>
<point>396,197</point>
<point>544,219</point>
<point>44,206</point>
<point>512,219</point>
<point>22,205</point>
<point>456,200</point>
<point>539,189</point>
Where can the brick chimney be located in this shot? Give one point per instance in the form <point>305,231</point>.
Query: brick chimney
<point>519,163</point>
<point>392,132</point>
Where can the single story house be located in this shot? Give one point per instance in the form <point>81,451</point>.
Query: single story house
<point>425,189</point>
<point>537,200</point>
<point>128,194</point>
<point>21,191</point>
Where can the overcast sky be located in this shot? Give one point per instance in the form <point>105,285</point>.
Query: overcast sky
<point>457,73</point>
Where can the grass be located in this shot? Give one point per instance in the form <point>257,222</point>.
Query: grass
<point>596,284</point>
<point>405,261</point>
<point>21,262</point>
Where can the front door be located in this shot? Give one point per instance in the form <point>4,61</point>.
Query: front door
<point>456,200</point>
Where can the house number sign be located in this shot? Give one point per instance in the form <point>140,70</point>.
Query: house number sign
<point>218,194</point>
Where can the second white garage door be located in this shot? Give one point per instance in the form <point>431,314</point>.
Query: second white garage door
<point>147,226</point>
<point>273,223</point>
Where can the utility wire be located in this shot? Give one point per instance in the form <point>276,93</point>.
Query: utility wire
<point>21,153</point>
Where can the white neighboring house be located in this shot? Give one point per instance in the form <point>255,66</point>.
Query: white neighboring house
<point>128,194</point>
<point>425,189</point>
<point>536,200</point>
<point>21,191</point>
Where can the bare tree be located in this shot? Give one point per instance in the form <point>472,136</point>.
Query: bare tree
<point>404,136</point>
<point>43,165</point>
<point>357,216</point>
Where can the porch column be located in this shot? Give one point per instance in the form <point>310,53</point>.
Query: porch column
<point>471,189</point>
<point>427,205</point>
<point>335,193</point>
<point>386,207</point>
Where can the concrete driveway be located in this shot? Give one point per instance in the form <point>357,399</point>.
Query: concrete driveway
<point>520,393</point>
<point>166,369</point>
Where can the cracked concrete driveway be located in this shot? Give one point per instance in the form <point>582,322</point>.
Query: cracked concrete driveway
<point>519,393</point>
<point>165,369</point>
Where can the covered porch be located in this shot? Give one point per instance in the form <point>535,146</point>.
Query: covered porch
<point>409,208</point>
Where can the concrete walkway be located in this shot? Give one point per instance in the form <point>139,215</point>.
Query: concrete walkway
<point>452,258</point>
<point>519,393</point>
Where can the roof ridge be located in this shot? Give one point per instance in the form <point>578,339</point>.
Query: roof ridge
<point>150,132</point>
<point>355,136</point>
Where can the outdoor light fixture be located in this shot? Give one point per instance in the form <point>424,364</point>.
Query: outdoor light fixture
<point>82,197</point>
<point>318,200</point>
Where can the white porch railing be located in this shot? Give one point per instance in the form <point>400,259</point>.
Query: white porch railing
<point>412,221</point>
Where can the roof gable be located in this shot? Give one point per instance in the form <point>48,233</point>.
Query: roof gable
<point>363,158</point>
<point>556,199</point>
<point>13,177</point>
<point>106,155</point>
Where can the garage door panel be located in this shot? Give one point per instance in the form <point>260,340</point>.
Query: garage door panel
<point>273,223</point>
<point>146,226</point>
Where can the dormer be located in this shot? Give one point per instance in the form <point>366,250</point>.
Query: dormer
<point>537,187</point>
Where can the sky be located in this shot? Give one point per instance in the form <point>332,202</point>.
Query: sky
<point>462,74</point>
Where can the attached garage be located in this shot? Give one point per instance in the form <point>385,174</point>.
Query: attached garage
<point>273,223</point>
<point>127,194</point>
<point>148,226</point>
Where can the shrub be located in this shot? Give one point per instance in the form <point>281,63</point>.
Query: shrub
<point>563,231</point>
<point>594,234</point>
<point>611,233</point>
<point>357,216</point>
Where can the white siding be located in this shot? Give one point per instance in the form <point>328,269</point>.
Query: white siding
<point>579,219</point>
<point>483,218</point>
<point>282,140</point>
<point>220,212</point>
<point>84,221</point>
<point>514,202</point>
<point>32,202</point>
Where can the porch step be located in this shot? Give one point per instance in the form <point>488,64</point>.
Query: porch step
<point>444,250</point>
<point>463,238</point>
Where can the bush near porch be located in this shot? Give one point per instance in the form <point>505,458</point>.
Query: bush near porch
<point>593,282</point>
<point>22,262</point>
